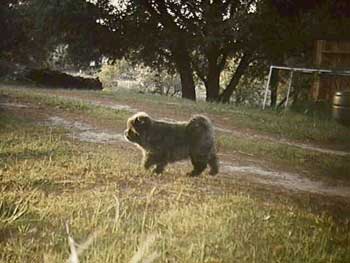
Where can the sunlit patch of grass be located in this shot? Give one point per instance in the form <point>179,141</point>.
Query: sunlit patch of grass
<point>72,105</point>
<point>224,229</point>
<point>237,229</point>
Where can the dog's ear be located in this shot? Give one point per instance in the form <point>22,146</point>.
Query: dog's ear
<point>142,121</point>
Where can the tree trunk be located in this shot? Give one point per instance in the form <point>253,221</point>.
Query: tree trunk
<point>184,68</point>
<point>227,93</point>
<point>212,84</point>
<point>187,83</point>
<point>274,85</point>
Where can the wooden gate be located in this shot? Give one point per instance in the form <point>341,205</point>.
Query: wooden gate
<point>333,55</point>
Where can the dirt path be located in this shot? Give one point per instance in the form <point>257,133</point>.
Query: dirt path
<point>85,133</point>
<point>107,103</point>
<point>250,171</point>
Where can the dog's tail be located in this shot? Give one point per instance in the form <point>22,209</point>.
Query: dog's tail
<point>200,122</point>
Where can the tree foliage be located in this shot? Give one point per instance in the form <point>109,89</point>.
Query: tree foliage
<point>191,36</point>
<point>13,23</point>
<point>197,39</point>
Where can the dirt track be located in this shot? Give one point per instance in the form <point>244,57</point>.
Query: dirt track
<point>219,127</point>
<point>87,130</point>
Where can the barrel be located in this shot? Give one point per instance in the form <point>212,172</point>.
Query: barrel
<point>341,107</point>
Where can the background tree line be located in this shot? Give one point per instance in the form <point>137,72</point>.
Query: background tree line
<point>200,40</point>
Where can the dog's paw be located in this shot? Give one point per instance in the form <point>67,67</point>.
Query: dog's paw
<point>213,172</point>
<point>192,174</point>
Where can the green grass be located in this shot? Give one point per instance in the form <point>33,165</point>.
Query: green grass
<point>48,181</point>
<point>321,164</point>
<point>316,128</point>
<point>327,166</point>
<point>57,102</point>
<point>286,124</point>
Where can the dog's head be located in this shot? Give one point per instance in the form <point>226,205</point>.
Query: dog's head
<point>137,127</point>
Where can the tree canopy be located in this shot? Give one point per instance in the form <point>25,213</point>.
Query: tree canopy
<point>13,21</point>
<point>195,38</point>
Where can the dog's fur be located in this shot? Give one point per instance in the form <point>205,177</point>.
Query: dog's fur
<point>164,142</point>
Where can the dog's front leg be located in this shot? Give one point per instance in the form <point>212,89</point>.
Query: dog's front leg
<point>159,167</point>
<point>148,161</point>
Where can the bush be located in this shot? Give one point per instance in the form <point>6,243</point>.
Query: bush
<point>160,82</point>
<point>123,74</point>
<point>250,88</point>
<point>119,70</point>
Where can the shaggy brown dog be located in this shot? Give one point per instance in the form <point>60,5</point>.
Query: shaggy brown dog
<point>164,142</point>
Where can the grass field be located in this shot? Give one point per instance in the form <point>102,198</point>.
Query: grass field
<point>57,192</point>
<point>286,124</point>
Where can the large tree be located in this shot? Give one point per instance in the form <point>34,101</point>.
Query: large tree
<point>200,36</point>
<point>13,23</point>
<point>75,24</point>
<point>193,37</point>
<point>189,36</point>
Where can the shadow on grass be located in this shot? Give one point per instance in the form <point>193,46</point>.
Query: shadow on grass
<point>25,155</point>
<point>49,186</point>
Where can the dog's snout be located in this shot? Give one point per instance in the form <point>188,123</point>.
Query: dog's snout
<point>126,134</point>
<point>130,134</point>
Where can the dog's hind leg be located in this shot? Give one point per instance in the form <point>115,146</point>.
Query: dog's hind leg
<point>213,164</point>
<point>199,164</point>
<point>159,168</point>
